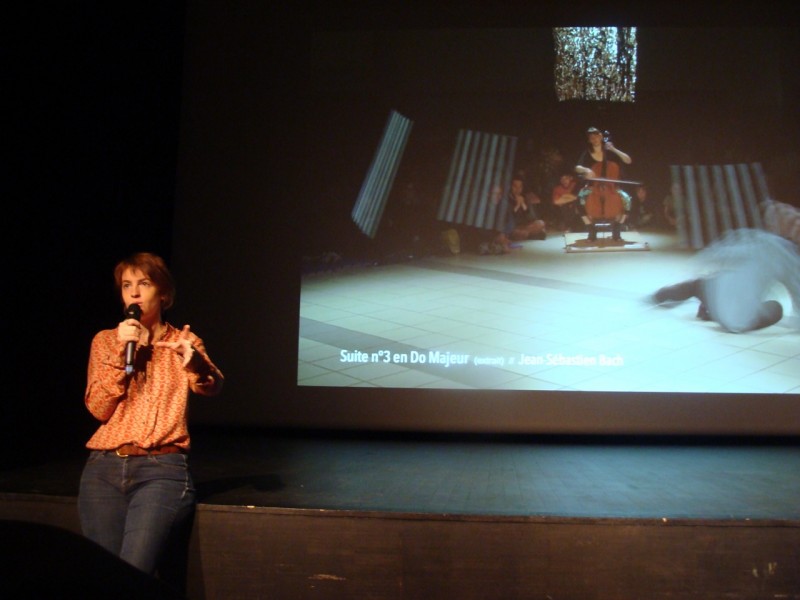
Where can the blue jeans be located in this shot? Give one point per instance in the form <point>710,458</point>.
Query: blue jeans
<point>131,506</point>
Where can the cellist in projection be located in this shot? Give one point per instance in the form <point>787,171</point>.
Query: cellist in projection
<point>601,199</point>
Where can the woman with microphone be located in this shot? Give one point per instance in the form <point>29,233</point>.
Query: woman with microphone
<point>136,490</point>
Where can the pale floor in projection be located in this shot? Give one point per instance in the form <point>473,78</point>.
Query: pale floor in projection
<point>526,315</point>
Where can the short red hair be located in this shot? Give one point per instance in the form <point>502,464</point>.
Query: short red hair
<point>154,267</point>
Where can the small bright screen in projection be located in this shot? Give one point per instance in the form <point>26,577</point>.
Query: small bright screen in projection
<point>595,63</point>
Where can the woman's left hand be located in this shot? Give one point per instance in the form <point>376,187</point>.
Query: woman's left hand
<point>181,346</point>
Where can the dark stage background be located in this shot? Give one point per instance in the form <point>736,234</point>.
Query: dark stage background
<point>190,129</point>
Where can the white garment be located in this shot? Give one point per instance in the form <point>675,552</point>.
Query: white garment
<point>742,268</point>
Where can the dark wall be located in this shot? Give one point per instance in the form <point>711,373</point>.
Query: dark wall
<point>95,91</point>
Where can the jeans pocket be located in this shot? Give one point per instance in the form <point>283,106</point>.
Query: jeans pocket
<point>171,461</point>
<point>95,456</point>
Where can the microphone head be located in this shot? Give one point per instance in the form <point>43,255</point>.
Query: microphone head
<point>134,311</point>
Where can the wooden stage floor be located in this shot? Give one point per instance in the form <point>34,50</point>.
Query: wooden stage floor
<point>337,515</point>
<point>687,478</point>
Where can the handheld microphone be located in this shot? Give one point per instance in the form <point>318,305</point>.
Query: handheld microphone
<point>134,311</point>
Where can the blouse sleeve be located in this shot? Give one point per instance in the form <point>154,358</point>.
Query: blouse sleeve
<point>105,382</point>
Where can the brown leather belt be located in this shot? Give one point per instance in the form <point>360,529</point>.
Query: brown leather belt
<point>131,450</point>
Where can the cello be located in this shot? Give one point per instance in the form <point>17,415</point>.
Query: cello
<point>604,202</point>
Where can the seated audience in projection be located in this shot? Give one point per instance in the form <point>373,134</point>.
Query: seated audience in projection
<point>737,274</point>
<point>642,212</point>
<point>782,219</point>
<point>668,212</point>
<point>487,241</point>
<point>524,222</point>
<point>602,200</point>
<point>543,177</point>
<point>454,240</point>
<point>564,198</point>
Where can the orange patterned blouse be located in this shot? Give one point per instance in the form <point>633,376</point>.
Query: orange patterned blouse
<point>148,408</point>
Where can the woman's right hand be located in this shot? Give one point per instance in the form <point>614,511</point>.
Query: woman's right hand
<point>129,330</point>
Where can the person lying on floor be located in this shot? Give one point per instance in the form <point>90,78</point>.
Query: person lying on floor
<point>738,272</point>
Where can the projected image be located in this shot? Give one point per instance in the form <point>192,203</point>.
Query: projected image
<point>595,63</point>
<point>372,198</point>
<point>559,255</point>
